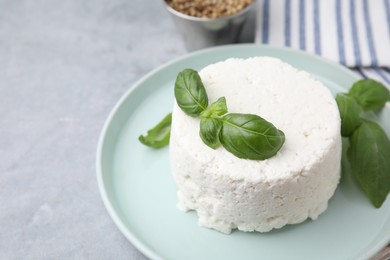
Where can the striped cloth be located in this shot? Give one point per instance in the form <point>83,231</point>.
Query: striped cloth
<point>355,33</point>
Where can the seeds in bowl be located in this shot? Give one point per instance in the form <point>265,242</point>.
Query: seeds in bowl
<point>208,8</point>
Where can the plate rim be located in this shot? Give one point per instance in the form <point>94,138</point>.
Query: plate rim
<point>133,239</point>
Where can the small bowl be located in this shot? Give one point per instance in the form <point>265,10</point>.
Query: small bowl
<point>201,33</point>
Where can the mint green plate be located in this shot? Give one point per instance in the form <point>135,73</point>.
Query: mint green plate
<point>139,193</point>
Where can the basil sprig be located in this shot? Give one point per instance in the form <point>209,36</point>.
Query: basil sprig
<point>249,136</point>
<point>370,94</point>
<point>158,136</point>
<point>190,93</point>
<point>246,136</point>
<point>350,111</point>
<point>210,129</point>
<point>369,147</point>
<point>369,156</point>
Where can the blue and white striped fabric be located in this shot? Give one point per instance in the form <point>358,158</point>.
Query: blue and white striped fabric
<point>355,33</point>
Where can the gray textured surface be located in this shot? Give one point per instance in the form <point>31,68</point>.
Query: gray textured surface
<point>63,65</point>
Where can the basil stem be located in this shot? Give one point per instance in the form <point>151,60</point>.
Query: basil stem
<point>190,93</point>
<point>158,136</point>
<point>249,136</point>
<point>369,157</point>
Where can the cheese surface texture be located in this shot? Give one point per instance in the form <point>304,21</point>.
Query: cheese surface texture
<point>296,184</point>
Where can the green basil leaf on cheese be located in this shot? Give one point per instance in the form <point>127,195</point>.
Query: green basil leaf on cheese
<point>249,136</point>
<point>209,131</point>
<point>158,136</point>
<point>369,157</point>
<point>370,94</point>
<point>350,112</point>
<point>218,108</point>
<point>190,93</point>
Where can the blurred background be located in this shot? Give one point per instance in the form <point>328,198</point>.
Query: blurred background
<point>63,66</point>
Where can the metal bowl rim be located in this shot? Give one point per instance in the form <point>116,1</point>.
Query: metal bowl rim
<point>203,19</point>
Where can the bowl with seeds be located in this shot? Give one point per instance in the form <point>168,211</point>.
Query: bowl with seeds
<point>205,23</point>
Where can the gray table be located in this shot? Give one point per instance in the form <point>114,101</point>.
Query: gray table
<point>63,66</point>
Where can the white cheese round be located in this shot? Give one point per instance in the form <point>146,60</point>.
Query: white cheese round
<point>296,184</point>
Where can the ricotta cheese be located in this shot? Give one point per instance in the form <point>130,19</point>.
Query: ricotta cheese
<point>296,184</point>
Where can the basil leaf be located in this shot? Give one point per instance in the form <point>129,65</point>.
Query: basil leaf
<point>350,112</point>
<point>249,136</point>
<point>209,131</point>
<point>158,136</point>
<point>190,93</point>
<point>369,157</point>
<point>218,108</point>
<point>370,94</point>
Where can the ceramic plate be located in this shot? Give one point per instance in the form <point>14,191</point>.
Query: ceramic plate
<point>139,193</point>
